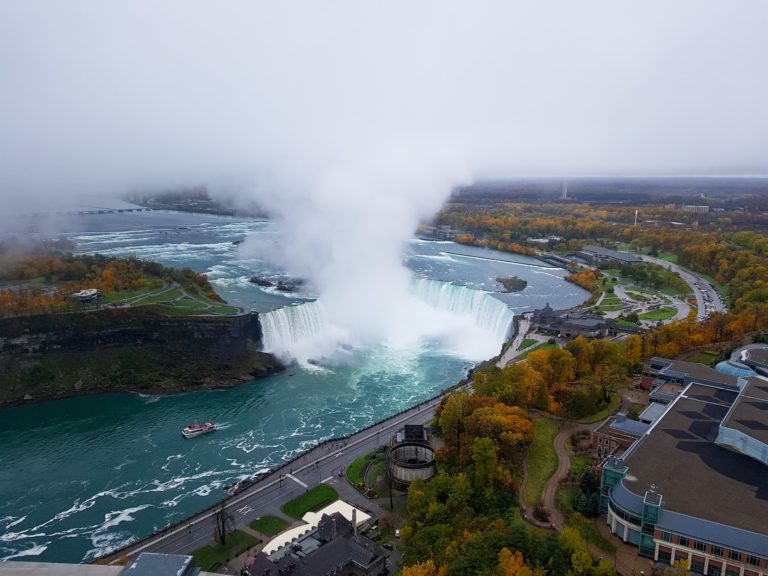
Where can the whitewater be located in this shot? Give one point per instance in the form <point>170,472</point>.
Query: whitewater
<point>82,476</point>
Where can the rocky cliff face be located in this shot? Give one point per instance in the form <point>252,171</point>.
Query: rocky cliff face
<point>126,349</point>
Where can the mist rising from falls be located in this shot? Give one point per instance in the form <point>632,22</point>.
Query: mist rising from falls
<point>469,323</point>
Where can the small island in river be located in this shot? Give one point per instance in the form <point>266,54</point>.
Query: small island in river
<point>512,283</point>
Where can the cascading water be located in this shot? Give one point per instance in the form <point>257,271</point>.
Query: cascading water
<point>288,328</point>
<point>486,311</point>
<point>285,327</point>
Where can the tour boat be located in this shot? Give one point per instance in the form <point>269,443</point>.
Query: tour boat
<point>197,429</point>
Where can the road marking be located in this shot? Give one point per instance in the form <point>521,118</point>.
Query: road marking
<point>292,477</point>
<point>326,480</point>
<point>244,510</point>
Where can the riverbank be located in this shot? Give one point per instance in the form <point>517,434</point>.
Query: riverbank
<point>269,367</point>
<point>127,350</point>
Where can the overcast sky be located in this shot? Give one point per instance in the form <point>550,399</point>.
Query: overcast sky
<point>107,96</point>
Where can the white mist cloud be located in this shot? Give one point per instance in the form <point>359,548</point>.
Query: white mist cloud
<point>351,120</point>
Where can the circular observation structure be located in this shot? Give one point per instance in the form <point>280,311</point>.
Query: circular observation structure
<point>409,461</point>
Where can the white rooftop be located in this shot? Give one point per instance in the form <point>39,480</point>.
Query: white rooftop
<point>312,519</point>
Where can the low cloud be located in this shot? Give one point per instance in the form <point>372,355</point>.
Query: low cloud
<point>352,120</point>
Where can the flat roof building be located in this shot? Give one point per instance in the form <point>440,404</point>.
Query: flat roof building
<point>600,255</point>
<point>695,485</point>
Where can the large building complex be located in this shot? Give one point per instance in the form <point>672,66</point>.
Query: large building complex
<point>694,485</point>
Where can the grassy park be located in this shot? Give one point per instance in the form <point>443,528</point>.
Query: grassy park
<point>208,558</point>
<point>269,525</point>
<point>661,314</point>
<point>317,497</point>
<point>541,460</point>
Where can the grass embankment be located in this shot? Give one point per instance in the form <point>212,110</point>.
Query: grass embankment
<point>211,557</point>
<point>542,346</point>
<point>355,470</point>
<point>269,525</point>
<point>707,357</point>
<point>527,343</point>
<point>320,495</point>
<point>541,460</point>
<point>610,303</point>
<point>660,314</point>
<point>184,300</point>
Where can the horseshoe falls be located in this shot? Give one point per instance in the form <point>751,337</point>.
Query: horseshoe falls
<point>294,330</point>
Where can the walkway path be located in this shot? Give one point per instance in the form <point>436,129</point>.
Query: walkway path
<point>563,467</point>
<point>514,350</point>
<point>626,560</point>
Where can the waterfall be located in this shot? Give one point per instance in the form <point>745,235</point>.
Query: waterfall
<point>486,311</point>
<point>284,327</point>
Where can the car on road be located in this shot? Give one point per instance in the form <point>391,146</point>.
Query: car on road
<point>397,532</point>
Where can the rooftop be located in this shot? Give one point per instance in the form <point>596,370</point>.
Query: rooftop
<point>699,372</point>
<point>652,412</point>
<point>750,412</point>
<point>607,253</point>
<point>757,355</point>
<point>697,477</point>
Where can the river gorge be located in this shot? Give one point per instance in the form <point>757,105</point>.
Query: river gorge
<point>83,475</point>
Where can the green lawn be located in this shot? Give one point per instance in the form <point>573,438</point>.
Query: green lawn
<point>209,558</point>
<point>158,298</point>
<point>541,460</point>
<point>542,346</point>
<point>668,256</point>
<point>355,470</point>
<point>319,496</point>
<point>527,342</point>
<point>112,297</point>
<point>660,314</point>
<point>706,358</point>
<point>625,323</point>
<point>269,525</point>
<point>377,470</point>
<point>638,296</point>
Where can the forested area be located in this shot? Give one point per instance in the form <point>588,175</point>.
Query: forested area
<point>41,283</point>
<point>465,521</point>
<point>732,257</point>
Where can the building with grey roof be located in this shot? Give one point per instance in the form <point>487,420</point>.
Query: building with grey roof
<point>599,255</point>
<point>694,486</point>
<point>616,434</point>
<point>571,323</point>
<point>662,370</point>
<point>334,547</point>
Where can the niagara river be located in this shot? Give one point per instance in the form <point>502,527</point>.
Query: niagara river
<point>82,476</point>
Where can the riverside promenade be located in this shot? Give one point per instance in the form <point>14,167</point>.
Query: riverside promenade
<point>321,464</point>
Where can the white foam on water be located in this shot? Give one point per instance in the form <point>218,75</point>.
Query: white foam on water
<point>104,539</point>
<point>35,550</point>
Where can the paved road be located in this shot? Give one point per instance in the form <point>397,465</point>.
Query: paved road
<point>707,298</point>
<point>321,464</point>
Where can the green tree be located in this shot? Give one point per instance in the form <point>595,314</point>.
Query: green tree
<point>485,459</point>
